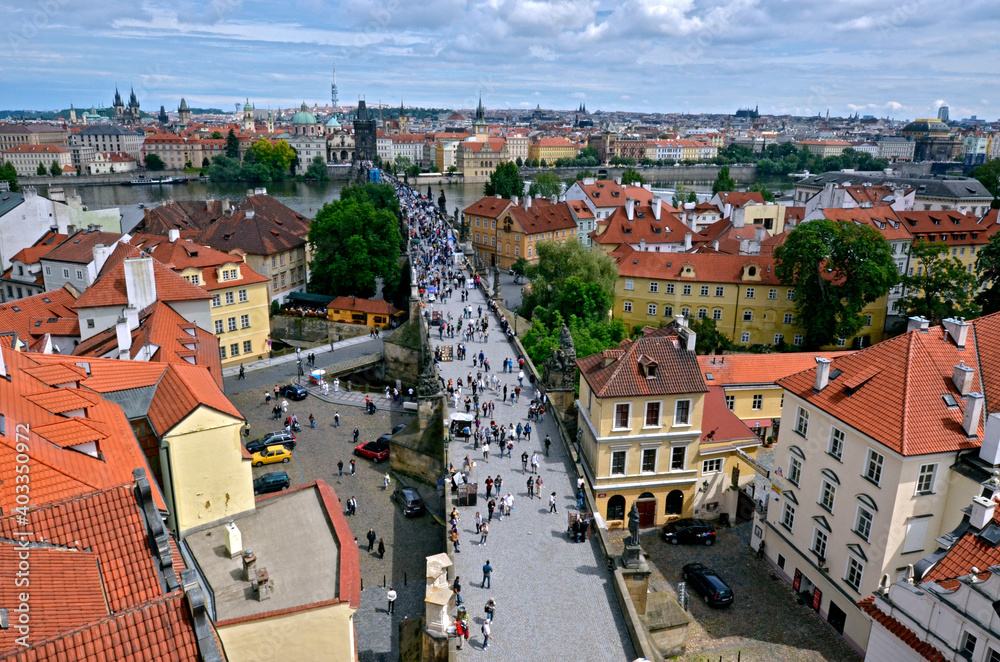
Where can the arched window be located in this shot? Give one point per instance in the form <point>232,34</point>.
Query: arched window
<point>675,502</point>
<point>616,507</point>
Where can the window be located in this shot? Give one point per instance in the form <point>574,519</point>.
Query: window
<point>819,543</point>
<point>841,342</point>
<point>873,466</point>
<point>230,300</point>
<point>802,421</point>
<point>772,293</point>
<point>686,312</point>
<point>218,326</point>
<point>65,273</point>
<point>282,279</point>
<point>682,412</point>
<point>925,478</point>
<point>653,414</point>
<point>787,515</point>
<point>758,401</point>
<point>243,296</point>
<point>275,283</point>
<point>868,320</point>
<point>863,521</point>
<point>281,259</point>
<point>827,495</point>
<point>629,284</point>
<point>836,447</point>
<point>687,290</point>
<point>231,323</point>
<point>855,569</point>
<point>651,309</point>
<point>994,656</point>
<point>90,323</point>
<point>670,288</point>
<point>750,292</point>
<point>789,318</point>
<point>730,402</point>
<point>274,260</point>
<point>712,466</point>
<point>969,642</point>
<point>234,349</point>
<point>618,463</point>
<point>654,286</point>
<point>216,300</point>
<point>717,314</point>
<point>247,346</point>
<point>745,337</point>
<point>791,294</point>
<point>702,313</point>
<point>627,306</point>
<point>623,412</point>
<point>794,469</point>
<point>720,291</point>
<point>79,274</point>
<point>704,290</point>
<point>916,534</point>
<point>649,460</point>
<point>48,271</point>
<point>677,458</point>
<point>244,321</point>
<point>797,341</point>
<point>222,351</point>
<point>779,338</point>
<point>747,315</point>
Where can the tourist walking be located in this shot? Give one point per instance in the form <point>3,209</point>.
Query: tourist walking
<point>552,503</point>
<point>381,548</point>
<point>531,488</point>
<point>391,596</point>
<point>487,574</point>
<point>371,539</point>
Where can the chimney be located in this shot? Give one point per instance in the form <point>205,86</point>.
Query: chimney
<point>618,180</point>
<point>958,330</point>
<point>589,181</point>
<point>227,210</point>
<point>822,373</point>
<point>917,324</point>
<point>630,208</point>
<point>738,217</point>
<point>234,540</point>
<point>249,214</point>
<point>132,317</point>
<point>727,210</point>
<point>687,241</point>
<point>642,245</point>
<point>989,452</point>
<point>140,283</point>
<point>974,412</point>
<point>173,234</point>
<point>515,200</point>
<point>499,197</point>
<point>962,377</point>
<point>554,199</point>
<point>124,336</point>
<point>759,233</point>
<point>527,202</point>
<point>655,204</point>
<point>981,512</point>
<point>101,253</point>
<point>208,204</point>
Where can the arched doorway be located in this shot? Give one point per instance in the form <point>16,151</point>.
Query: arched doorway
<point>675,503</point>
<point>616,507</point>
<point>646,505</point>
<point>343,155</point>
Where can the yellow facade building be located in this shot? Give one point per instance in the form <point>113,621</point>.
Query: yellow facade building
<point>654,434</point>
<point>503,231</point>
<point>550,150</point>
<point>373,313</point>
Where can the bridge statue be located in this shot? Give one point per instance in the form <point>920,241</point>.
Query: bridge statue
<point>559,370</point>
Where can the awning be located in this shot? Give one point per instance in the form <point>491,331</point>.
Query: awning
<point>758,423</point>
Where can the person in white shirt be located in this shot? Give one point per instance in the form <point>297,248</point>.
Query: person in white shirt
<point>391,596</point>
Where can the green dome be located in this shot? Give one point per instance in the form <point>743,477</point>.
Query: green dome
<point>333,123</point>
<point>303,116</point>
<point>248,106</point>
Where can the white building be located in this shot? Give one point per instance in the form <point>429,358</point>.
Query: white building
<point>27,158</point>
<point>110,138</point>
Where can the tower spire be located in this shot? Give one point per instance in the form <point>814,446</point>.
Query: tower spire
<point>333,87</point>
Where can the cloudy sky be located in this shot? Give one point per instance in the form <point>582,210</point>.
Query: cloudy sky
<point>898,58</point>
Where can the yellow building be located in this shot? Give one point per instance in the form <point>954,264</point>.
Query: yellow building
<point>503,232</point>
<point>240,313</point>
<point>373,313</point>
<point>739,292</point>
<point>551,149</point>
<point>655,435</point>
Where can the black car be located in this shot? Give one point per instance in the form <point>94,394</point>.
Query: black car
<point>387,437</point>
<point>398,428</point>
<point>286,439</point>
<point>294,392</point>
<point>410,500</point>
<point>689,531</point>
<point>707,583</point>
<point>274,481</point>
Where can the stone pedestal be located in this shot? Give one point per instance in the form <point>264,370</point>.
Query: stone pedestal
<point>667,624</point>
<point>563,401</point>
<point>632,556</point>
<point>437,595</point>
<point>637,580</point>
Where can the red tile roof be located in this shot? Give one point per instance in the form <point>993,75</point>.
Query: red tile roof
<point>741,198</point>
<point>490,207</point>
<point>616,373</point>
<point>109,289</point>
<point>36,149</point>
<point>969,551</point>
<point>731,369</point>
<point>883,219</point>
<point>708,267</point>
<point>720,424</point>
<point>370,306</point>
<point>79,248</point>
<point>542,217</point>
<point>617,229</point>
<point>183,254</point>
<point>31,254</point>
<point>951,227</point>
<point>609,193</point>
<point>48,312</point>
<point>902,632</point>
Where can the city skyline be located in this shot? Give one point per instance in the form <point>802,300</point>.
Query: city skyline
<point>671,56</point>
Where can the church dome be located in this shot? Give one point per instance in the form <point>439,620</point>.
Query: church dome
<point>303,116</point>
<point>932,127</point>
<point>333,123</point>
<point>248,106</point>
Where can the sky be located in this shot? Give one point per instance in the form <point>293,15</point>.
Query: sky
<point>898,58</point>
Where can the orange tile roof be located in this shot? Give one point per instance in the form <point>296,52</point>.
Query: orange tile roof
<point>892,391</point>
<point>708,267</point>
<point>720,424</point>
<point>543,216</point>
<point>882,218</point>
<point>951,227</point>
<point>22,315</point>
<point>489,206</point>
<point>62,400</point>
<point>609,193</point>
<point>183,254</point>
<point>969,551</point>
<point>741,198</point>
<point>731,369</point>
<point>109,289</point>
<point>617,229</point>
<point>902,632</point>
<point>31,254</point>
<point>676,372</point>
<point>70,432</point>
<point>79,248</point>
<point>183,389</point>
<point>371,306</point>
<point>36,149</point>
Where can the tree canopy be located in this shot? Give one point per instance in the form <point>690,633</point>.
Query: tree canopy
<point>940,286</point>
<point>988,175</point>
<point>682,194</point>
<point>381,196</point>
<point>8,173</point>
<point>232,145</point>
<point>546,185</point>
<point>263,162</point>
<point>632,176</point>
<point>571,278</point>
<point>354,243</point>
<point>836,270</point>
<point>763,190</point>
<point>505,181</point>
<point>55,169</point>
<point>723,182</point>
<point>988,274</point>
<point>317,170</point>
<point>154,162</point>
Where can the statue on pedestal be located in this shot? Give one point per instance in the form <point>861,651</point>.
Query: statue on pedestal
<point>559,370</point>
<point>496,282</point>
<point>633,525</point>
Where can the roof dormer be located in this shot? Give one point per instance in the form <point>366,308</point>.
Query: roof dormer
<point>751,271</point>
<point>687,271</point>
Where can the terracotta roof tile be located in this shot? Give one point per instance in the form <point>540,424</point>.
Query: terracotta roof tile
<point>883,219</point>
<point>676,372</point>
<point>731,369</point>
<point>903,633</point>
<point>20,315</point>
<point>372,306</point>
<point>741,198</point>
<point>708,267</point>
<point>490,207</point>
<point>80,247</point>
<point>109,290</point>
<point>617,229</point>
<point>720,424</point>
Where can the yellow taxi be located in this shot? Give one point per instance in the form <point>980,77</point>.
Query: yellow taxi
<point>271,455</point>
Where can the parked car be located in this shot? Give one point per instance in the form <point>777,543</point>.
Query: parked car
<point>707,583</point>
<point>388,435</point>
<point>689,531</point>
<point>286,439</point>
<point>294,392</point>
<point>376,451</point>
<point>399,428</point>
<point>271,455</point>
<point>274,481</point>
<point>410,500</point>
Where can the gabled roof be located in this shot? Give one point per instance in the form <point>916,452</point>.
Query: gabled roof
<point>198,216</point>
<point>252,236</point>
<point>31,254</point>
<point>79,248</point>
<point>949,226</point>
<point>489,206</point>
<point>720,425</point>
<point>370,306</point>
<point>740,198</point>
<point>543,216</point>
<point>109,289</point>
<point>616,373</point>
<point>617,229</point>
<point>882,218</point>
<point>734,369</point>
<point>609,193</point>
<point>707,267</point>
<point>903,633</point>
<point>48,312</point>
<point>183,254</point>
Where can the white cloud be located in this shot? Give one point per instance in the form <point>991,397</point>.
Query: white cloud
<point>894,106</point>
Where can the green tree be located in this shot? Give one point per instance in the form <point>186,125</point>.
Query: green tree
<point>988,270</point>
<point>988,175</point>
<point>940,286</point>
<point>836,270</point>
<point>519,162</point>
<point>353,245</point>
<point>283,156</point>
<point>154,162</point>
<point>413,170</point>
<point>401,163</point>
<point>8,173</point>
<point>520,268</point>
<point>41,170</point>
<point>764,192</point>
<point>216,135</point>
<point>55,169</point>
<point>232,145</point>
<point>723,182</point>
<point>381,196</point>
<point>709,340</point>
<point>632,176</point>
<point>546,185</point>
<point>556,265</point>
<point>683,194</point>
<point>505,181</point>
<point>543,164</point>
<point>317,170</point>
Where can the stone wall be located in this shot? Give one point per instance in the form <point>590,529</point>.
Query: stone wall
<point>696,174</point>
<point>402,363</point>
<point>421,452</point>
<point>313,329</point>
